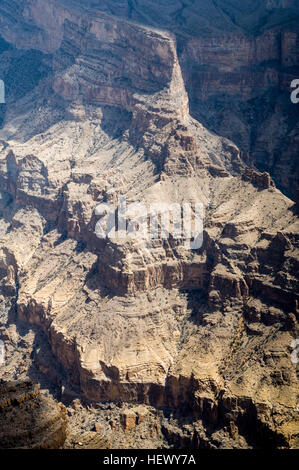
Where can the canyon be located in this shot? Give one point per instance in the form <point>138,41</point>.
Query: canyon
<point>167,108</point>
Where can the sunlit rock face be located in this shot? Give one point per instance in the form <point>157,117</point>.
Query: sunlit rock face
<point>120,101</point>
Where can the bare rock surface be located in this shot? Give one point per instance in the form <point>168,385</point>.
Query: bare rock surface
<point>204,335</point>
<point>29,418</point>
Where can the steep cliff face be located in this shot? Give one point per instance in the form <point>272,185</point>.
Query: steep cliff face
<point>205,332</point>
<point>238,63</point>
<point>239,86</point>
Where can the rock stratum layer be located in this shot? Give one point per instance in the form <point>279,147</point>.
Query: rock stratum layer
<point>205,333</point>
<point>29,418</point>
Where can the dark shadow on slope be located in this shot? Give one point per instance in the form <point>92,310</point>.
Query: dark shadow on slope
<point>115,121</point>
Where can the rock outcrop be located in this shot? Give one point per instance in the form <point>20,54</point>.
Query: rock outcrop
<point>30,419</point>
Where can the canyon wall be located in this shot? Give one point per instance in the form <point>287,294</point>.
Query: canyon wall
<point>29,418</point>
<point>204,332</point>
